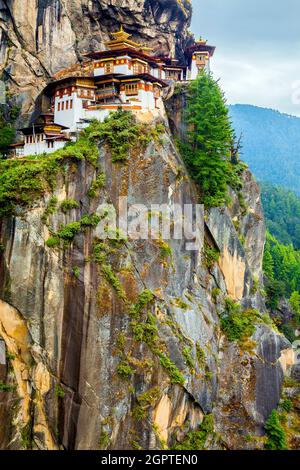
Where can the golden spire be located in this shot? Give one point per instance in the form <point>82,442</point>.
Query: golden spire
<point>121,40</point>
<point>201,41</point>
<point>121,34</point>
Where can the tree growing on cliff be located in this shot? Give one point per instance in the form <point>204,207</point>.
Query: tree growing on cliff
<point>208,140</point>
<point>9,113</point>
<point>275,433</point>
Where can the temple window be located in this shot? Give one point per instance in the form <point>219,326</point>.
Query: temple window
<point>139,68</point>
<point>71,104</point>
<point>63,106</point>
<point>109,67</point>
<point>173,75</point>
<point>58,107</point>
<point>67,104</point>
<point>131,89</point>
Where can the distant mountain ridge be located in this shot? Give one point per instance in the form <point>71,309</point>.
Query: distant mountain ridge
<point>271,144</point>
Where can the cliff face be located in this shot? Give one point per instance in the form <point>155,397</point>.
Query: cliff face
<point>85,376</point>
<point>119,345</point>
<point>38,38</point>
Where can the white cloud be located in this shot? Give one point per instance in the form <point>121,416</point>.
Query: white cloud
<point>257,49</point>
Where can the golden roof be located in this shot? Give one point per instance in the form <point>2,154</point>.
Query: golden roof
<point>201,41</point>
<point>121,40</point>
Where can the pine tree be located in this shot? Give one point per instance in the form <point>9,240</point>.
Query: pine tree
<point>295,302</point>
<point>209,139</point>
<point>275,432</point>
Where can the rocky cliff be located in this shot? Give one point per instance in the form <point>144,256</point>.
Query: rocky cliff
<point>120,344</point>
<point>40,37</point>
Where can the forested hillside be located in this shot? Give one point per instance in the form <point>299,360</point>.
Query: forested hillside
<point>282,212</point>
<point>271,144</point>
<point>282,255</point>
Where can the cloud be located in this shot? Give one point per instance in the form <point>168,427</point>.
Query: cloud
<point>258,44</point>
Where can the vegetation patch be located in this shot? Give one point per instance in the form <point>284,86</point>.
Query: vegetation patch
<point>196,440</point>
<point>59,391</point>
<point>26,436</point>
<point>50,209</point>
<point>238,324</point>
<point>276,434</point>
<point>104,439</point>
<point>145,401</point>
<point>211,256</point>
<point>25,180</point>
<point>69,231</point>
<point>69,204</point>
<point>6,387</point>
<point>187,354</point>
<point>201,358</point>
<point>215,294</point>
<point>144,299</point>
<point>125,370</point>
<point>181,304</point>
<point>113,280</point>
<point>96,185</point>
<point>146,332</point>
<point>173,371</point>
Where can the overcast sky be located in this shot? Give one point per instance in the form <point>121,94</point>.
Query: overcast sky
<point>258,49</point>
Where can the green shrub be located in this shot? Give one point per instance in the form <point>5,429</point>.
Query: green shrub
<point>144,299</point>
<point>125,370</point>
<point>68,205</point>
<point>104,439</point>
<point>119,131</point>
<point>53,242</point>
<point>187,354</point>
<point>69,231</point>
<point>76,272</point>
<point>113,280</point>
<point>275,433</point>
<point>255,285</point>
<point>181,304</point>
<point>165,249</point>
<point>8,116</point>
<point>6,387</point>
<point>91,220</point>
<point>215,294</point>
<point>96,185</point>
<point>149,398</point>
<point>145,332</point>
<point>238,324</point>
<point>26,436</point>
<point>201,358</point>
<point>50,209</point>
<point>286,405</point>
<point>173,371</point>
<point>211,256</point>
<point>196,440</point>
<point>145,401</point>
<point>59,391</point>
